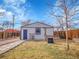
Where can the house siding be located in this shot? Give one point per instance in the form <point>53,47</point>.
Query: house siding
<point>41,36</point>
<point>49,31</point>
<point>31,31</point>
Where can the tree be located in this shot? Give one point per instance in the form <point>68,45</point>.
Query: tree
<point>25,22</point>
<point>6,25</point>
<point>68,9</point>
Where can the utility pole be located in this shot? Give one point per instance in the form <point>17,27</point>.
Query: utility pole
<point>13,24</point>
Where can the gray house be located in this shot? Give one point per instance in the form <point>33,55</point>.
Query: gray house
<point>37,31</point>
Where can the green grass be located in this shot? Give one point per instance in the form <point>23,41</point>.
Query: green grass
<point>40,50</point>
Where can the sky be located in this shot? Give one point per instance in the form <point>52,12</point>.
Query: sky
<point>34,10</point>
<point>23,10</point>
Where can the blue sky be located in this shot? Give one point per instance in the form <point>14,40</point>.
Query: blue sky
<point>34,10</point>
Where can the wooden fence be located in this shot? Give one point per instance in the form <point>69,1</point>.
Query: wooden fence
<point>71,34</point>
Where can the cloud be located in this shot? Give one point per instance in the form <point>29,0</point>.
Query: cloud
<point>14,2</point>
<point>16,8</point>
<point>2,12</point>
<point>9,15</point>
<point>5,14</point>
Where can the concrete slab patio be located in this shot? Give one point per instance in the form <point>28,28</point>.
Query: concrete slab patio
<point>3,42</point>
<point>6,47</point>
<point>9,40</point>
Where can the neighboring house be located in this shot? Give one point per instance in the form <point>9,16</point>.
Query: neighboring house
<point>11,32</point>
<point>8,33</point>
<point>37,31</point>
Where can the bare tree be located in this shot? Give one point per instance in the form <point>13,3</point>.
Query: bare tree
<point>25,22</point>
<point>6,25</point>
<point>68,9</point>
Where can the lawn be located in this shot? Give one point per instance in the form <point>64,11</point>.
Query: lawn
<point>41,50</point>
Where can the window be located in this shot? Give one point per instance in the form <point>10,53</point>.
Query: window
<point>38,31</point>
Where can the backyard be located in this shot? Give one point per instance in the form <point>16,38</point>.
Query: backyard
<point>42,50</point>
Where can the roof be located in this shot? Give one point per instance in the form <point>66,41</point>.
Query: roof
<point>37,24</point>
<point>11,30</point>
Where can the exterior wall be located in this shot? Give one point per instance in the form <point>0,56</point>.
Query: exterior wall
<point>49,31</point>
<point>41,36</point>
<point>28,32</point>
<point>31,32</point>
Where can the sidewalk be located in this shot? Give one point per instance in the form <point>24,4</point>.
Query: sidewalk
<point>7,41</point>
<point>6,47</point>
